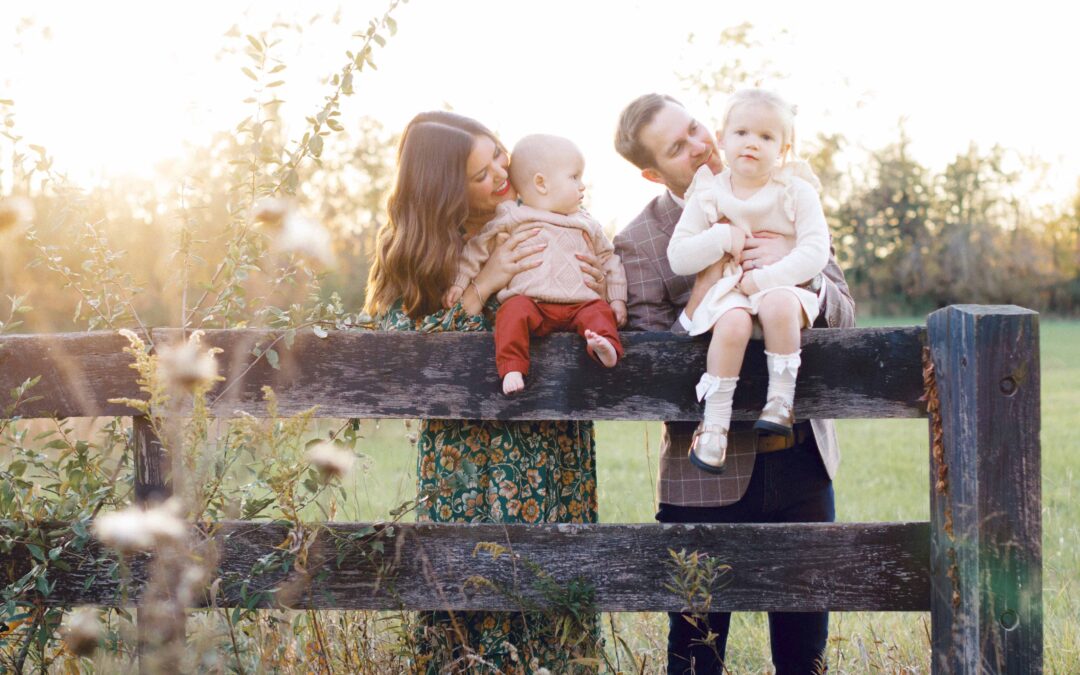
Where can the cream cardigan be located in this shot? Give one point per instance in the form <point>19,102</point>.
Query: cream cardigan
<point>787,205</point>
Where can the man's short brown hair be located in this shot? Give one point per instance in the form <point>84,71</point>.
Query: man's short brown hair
<point>634,117</point>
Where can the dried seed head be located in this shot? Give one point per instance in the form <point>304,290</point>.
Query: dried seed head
<point>15,213</point>
<point>304,236</point>
<point>83,632</point>
<point>136,529</point>
<point>188,365</point>
<point>331,461</point>
<point>271,212</point>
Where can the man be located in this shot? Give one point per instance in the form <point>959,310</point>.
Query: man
<point>768,479</point>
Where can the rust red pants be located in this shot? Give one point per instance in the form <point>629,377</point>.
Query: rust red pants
<point>519,317</point>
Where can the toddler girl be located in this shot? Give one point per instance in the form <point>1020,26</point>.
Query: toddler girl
<point>760,190</point>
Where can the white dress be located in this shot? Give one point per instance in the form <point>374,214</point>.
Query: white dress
<point>787,205</point>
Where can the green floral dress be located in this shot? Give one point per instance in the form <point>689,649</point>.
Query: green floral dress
<point>502,472</point>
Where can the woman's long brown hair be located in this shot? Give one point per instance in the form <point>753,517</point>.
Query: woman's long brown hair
<point>417,250</point>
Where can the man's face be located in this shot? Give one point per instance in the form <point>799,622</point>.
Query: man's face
<point>680,145</point>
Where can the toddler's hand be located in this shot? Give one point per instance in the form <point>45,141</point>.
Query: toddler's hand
<point>452,295</point>
<point>619,308</point>
<point>738,241</point>
<point>747,285</point>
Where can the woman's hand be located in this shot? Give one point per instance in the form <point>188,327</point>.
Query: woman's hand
<point>591,272</point>
<point>763,249</point>
<point>513,254</point>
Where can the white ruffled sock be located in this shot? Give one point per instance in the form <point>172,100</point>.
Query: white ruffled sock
<point>719,394</point>
<point>783,371</point>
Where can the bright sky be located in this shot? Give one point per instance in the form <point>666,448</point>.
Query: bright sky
<point>115,86</point>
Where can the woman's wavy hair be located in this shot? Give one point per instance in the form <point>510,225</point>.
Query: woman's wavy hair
<point>418,249</point>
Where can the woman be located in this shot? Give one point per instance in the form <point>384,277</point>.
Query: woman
<point>452,172</point>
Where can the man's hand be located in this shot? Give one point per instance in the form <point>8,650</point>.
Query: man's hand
<point>619,308</point>
<point>763,249</point>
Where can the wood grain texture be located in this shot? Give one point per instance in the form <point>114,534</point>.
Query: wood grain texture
<point>846,373</point>
<point>79,373</point>
<point>986,555</point>
<point>798,567</point>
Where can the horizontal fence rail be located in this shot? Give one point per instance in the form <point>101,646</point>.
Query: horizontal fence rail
<point>846,373</point>
<point>626,568</point>
<point>976,565</point>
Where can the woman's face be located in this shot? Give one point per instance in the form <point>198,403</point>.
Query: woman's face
<point>487,174</point>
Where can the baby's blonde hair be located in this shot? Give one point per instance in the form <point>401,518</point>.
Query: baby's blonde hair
<point>782,107</point>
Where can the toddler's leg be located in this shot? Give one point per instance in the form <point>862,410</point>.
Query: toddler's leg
<point>595,321</point>
<point>781,318</point>
<point>515,320</point>
<point>727,347</point>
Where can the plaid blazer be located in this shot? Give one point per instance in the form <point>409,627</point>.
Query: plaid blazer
<point>656,298</point>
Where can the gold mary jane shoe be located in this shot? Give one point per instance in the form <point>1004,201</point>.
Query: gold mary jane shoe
<point>708,449</point>
<point>777,417</point>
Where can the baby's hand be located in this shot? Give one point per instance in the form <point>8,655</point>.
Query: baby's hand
<point>452,295</point>
<point>619,308</point>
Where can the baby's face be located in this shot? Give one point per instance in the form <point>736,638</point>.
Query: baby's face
<point>564,183</point>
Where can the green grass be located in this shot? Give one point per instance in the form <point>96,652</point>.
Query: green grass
<point>884,477</point>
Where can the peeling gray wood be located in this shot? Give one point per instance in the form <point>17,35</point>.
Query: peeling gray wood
<point>986,554</point>
<point>794,567</point>
<point>79,373</point>
<point>846,373</point>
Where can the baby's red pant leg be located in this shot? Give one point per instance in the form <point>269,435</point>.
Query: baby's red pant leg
<point>598,317</point>
<point>516,319</point>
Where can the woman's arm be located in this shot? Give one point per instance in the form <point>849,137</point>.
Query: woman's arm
<point>512,254</point>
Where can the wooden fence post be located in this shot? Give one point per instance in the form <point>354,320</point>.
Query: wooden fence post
<point>153,464</point>
<point>986,528</point>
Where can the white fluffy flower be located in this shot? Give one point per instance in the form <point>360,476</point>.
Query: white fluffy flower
<point>330,460</point>
<point>302,235</point>
<point>187,365</point>
<point>137,529</point>
<point>83,631</point>
<point>271,211</point>
<point>15,213</point>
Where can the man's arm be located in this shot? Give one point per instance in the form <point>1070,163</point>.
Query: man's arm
<point>837,307</point>
<point>647,303</point>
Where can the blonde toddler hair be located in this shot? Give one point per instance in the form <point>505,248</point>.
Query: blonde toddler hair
<point>782,107</point>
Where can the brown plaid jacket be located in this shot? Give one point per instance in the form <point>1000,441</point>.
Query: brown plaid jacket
<point>656,298</point>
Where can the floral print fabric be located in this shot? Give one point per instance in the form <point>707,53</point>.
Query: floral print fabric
<point>501,472</point>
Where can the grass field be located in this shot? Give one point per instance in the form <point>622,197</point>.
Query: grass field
<point>884,477</point>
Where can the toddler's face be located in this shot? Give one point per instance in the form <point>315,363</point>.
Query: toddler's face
<point>564,183</point>
<point>753,140</point>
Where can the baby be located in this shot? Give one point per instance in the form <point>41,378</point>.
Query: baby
<point>546,172</point>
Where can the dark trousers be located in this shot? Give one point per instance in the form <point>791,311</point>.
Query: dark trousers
<point>787,486</point>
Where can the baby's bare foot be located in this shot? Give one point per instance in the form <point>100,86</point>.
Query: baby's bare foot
<point>513,383</point>
<point>604,350</point>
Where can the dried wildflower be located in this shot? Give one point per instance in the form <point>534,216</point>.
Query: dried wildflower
<point>331,461</point>
<point>304,236</point>
<point>136,529</point>
<point>15,213</point>
<point>83,632</point>
<point>271,212</point>
<point>188,365</point>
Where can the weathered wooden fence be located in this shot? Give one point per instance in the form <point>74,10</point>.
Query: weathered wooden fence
<point>976,566</point>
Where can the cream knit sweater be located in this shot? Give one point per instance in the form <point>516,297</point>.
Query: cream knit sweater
<point>787,205</point>
<point>558,278</point>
